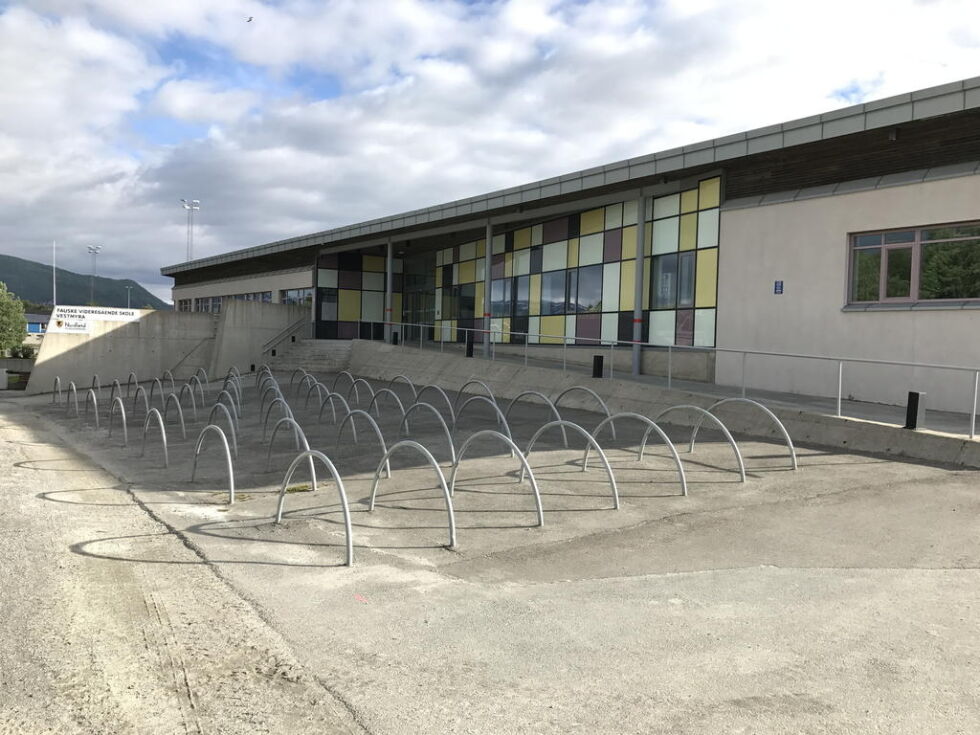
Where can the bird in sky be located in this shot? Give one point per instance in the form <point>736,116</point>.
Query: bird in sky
<point>249,19</point>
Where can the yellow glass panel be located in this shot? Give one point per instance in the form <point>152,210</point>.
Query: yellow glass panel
<point>553,326</point>
<point>593,221</point>
<point>534,307</point>
<point>646,282</point>
<point>439,276</point>
<point>689,232</point>
<point>504,327</point>
<point>508,265</point>
<point>629,242</point>
<point>478,298</point>
<point>627,272</point>
<point>648,238</point>
<point>348,305</point>
<point>689,200</point>
<point>522,238</point>
<point>373,263</point>
<point>452,331</point>
<point>467,271</point>
<point>709,193</point>
<point>481,248</point>
<point>573,252</point>
<point>706,278</point>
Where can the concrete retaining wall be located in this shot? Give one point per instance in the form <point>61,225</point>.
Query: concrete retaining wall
<point>382,361</point>
<point>244,327</point>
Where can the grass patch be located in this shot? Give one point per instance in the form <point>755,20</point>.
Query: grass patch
<point>303,487</point>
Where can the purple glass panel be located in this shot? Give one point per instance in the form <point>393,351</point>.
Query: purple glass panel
<point>684,325</point>
<point>588,325</point>
<point>347,330</point>
<point>455,253</point>
<point>349,279</point>
<point>328,261</point>
<point>612,246</point>
<point>555,230</point>
<point>497,266</point>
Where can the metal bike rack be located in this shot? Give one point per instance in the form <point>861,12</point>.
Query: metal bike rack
<point>117,401</point>
<point>374,424</point>
<point>590,439</point>
<point>377,406</point>
<point>651,426</point>
<point>200,387</point>
<point>265,380</point>
<point>203,372</point>
<point>116,387</point>
<point>330,398</point>
<point>770,414</point>
<point>292,377</point>
<point>90,393</point>
<point>301,443</point>
<point>261,373</point>
<point>445,428</point>
<point>172,398</point>
<point>56,389</point>
<point>190,391</point>
<point>170,376</point>
<point>276,393</point>
<point>130,379</point>
<point>714,419</point>
<point>440,391</point>
<point>231,400</point>
<point>141,391</point>
<point>357,393</point>
<point>320,389</point>
<point>163,434</point>
<point>96,385</point>
<point>514,450</point>
<point>307,379</point>
<point>287,411</point>
<point>415,393</point>
<point>71,395</point>
<point>548,402</point>
<point>222,408</point>
<point>341,374</point>
<point>212,429</point>
<point>313,454</point>
<point>236,387</point>
<point>501,421</point>
<point>153,387</point>
<point>595,395</point>
<point>467,384</point>
<point>435,465</point>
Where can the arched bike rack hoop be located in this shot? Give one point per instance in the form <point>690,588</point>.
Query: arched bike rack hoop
<point>376,405</point>
<point>501,421</point>
<point>71,396</point>
<point>514,450</point>
<point>605,408</point>
<point>651,426</point>
<point>130,379</point>
<point>287,411</point>
<point>467,384</point>
<point>153,387</point>
<point>141,391</point>
<point>163,435</point>
<point>320,389</point>
<point>172,398</point>
<point>374,424</point>
<point>200,387</point>
<point>211,428</point>
<point>203,372</point>
<point>548,402</point>
<point>90,393</point>
<point>222,408</point>
<point>770,414</point>
<point>170,376</point>
<point>300,440</point>
<point>308,378</point>
<point>442,421</point>
<point>415,393</point>
<point>357,393</point>
<point>117,401</point>
<point>190,391</point>
<point>590,439</point>
<point>714,419</point>
<point>231,401</point>
<point>341,374</point>
<point>314,454</point>
<point>114,389</point>
<point>330,397</point>
<point>435,465</point>
<point>292,376</point>
<point>440,391</point>
<point>276,393</point>
<point>56,389</point>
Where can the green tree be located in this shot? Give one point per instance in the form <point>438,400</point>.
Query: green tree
<point>13,325</point>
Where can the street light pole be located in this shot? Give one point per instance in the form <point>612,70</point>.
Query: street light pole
<point>129,290</point>
<point>94,252</point>
<point>190,205</point>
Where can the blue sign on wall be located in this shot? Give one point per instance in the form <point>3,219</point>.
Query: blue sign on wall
<point>777,287</point>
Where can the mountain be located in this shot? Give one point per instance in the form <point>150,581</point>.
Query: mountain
<point>32,282</point>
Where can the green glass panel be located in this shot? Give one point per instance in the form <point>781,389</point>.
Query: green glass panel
<point>950,270</point>
<point>865,274</point>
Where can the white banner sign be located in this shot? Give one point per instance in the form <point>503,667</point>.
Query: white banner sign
<point>79,319</point>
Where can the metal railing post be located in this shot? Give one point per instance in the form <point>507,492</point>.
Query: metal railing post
<point>840,384</point>
<point>420,337</point>
<point>670,358</point>
<point>527,338</point>
<point>973,414</point>
<point>564,362</point>
<point>744,355</point>
<point>612,358</point>
<point>442,340</point>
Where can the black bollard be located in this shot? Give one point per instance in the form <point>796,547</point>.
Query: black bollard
<point>597,366</point>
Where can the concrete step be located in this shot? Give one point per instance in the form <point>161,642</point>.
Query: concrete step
<point>314,355</point>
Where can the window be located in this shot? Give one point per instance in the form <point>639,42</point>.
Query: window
<point>928,264</point>
<point>297,296</point>
<point>184,304</point>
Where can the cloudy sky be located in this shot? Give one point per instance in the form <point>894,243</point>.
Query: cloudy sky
<point>320,113</point>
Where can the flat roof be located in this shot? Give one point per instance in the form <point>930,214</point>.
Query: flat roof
<point>920,105</point>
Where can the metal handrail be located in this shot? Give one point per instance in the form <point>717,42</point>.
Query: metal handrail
<point>287,332</point>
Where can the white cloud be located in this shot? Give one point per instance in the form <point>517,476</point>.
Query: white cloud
<point>439,100</point>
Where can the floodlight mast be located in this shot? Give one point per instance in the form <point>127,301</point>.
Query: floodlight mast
<point>94,251</point>
<point>191,205</point>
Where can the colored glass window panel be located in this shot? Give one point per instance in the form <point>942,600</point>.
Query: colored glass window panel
<point>554,256</point>
<point>709,193</point>
<point>589,294</point>
<point>665,282</point>
<point>590,249</point>
<point>373,263</point>
<point>662,327</point>
<point>522,262</point>
<point>614,216</point>
<point>573,253</point>
<point>708,228</point>
<point>522,238</point>
<point>553,327</point>
<point>537,235</point>
<point>685,279</point>
<point>706,278</point>
<point>372,306</point>
<point>349,305</point>
<point>553,292</point>
<point>668,206</point>
<point>626,284</point>
<point>689,232</point>
<point>610,287</point>
<point>467,301</point>
<point>537,259</point>
<point>555,230</point>
<point>689,201</point>
<point>629,213</point>
<point>629,242</point>
<point>704,328</point>
<point>467,251</point>
<point>500,297</point>
<point>373,281</point>
<point>326,278</point>
<point>684,330</point>
<point>666,235</point>
<point>467,271</point>
<point>612,245</point>
<point>593,221</point>
<point>588,328</point>
<point>349,279</point>
<point>522,296</point>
